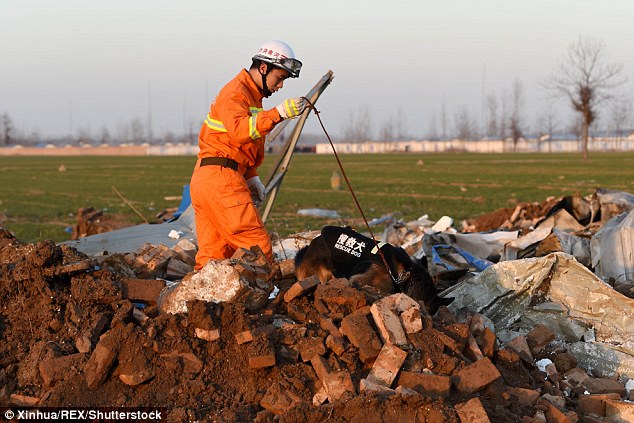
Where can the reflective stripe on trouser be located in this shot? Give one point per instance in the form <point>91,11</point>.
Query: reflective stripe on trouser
<point>226,218</point>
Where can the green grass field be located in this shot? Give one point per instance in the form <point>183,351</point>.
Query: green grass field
<point>38,201</point>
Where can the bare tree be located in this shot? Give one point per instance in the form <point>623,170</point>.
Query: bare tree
<point>137,131</point>
<point>621,118</point>
<point>393,129</point>
<point>358,127</point>
<point>586,79</point>
<point>515,121</point>
<point>547,125</point>
<point>7,129</point>
<point>465,125</point>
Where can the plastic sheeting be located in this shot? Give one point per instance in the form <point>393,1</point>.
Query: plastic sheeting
<point>555,288</point>
<point>612,248</point>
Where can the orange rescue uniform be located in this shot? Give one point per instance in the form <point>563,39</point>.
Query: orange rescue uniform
<point>226,218</point>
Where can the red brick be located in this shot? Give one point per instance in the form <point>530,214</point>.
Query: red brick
<point>327,325</point>
<point>300,288</point>
<point>487,340</point>
<point>524,396</point>
<point>310,347</point>
<point>539,337</point>
<point>244,337</point>
<point>99,364</point>
<point>476,376</point>
<point>448,341</point>
<point>287,268</point>
<point>387,365</point>
<point>520,346</point>
<point>357,328</point>
<point>321,367</point>
<point>412,320</point>
<point>553,414</point>
<point>426,384</point>
<point>336,344</point>
<point>472,350</point>
<point>142,289</point>
<point>604,386</point>
<point>345,296</point>
<point>388,323</point>
<point>472,411</point>
<point>619,411</point>
<point>370,387</point>
<point>24,400</point>
<point>60,368</point>
<point>594,403</point>
<point>459,332</point>
<point>279,400</point>
<point>337,384</point>
<point>256,362</point>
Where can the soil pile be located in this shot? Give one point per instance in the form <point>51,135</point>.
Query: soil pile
<point>73,336</point>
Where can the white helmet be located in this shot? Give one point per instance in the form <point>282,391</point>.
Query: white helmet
<point>279,54</point>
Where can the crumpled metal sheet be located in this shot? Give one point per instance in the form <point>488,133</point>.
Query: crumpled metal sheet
<point>507,291</point>
<point>612,248</point>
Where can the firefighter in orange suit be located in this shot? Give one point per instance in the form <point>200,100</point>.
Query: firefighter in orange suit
<point>225,187</point>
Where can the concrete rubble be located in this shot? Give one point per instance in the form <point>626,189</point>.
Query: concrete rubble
<point>533,336</point>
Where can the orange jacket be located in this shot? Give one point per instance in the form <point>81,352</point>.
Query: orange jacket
<point>236,124</point>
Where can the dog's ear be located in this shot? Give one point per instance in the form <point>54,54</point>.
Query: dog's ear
<point>422,262</point>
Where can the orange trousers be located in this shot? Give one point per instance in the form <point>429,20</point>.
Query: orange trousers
<point>226,218</point>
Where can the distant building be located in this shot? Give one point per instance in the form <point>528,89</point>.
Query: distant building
<point>534,145</point>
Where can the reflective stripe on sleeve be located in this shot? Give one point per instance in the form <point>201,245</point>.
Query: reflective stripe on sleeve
<point>214,124</point>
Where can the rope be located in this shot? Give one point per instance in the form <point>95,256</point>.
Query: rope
<point>354,197</point>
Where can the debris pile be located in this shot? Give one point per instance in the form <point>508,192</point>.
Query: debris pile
<point>539,339</point>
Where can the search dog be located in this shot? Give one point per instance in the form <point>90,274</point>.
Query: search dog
<point>341,252</point>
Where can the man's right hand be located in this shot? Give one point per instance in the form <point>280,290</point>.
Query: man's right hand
<point>291,107</point>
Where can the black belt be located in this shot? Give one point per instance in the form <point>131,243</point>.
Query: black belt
<point>219,161</point>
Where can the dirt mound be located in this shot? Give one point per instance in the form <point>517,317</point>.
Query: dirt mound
<point>72,338</point>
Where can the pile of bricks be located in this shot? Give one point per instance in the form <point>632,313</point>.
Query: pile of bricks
<point>367,344</point>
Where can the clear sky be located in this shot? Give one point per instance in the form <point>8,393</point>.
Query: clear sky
<point>71,65</point>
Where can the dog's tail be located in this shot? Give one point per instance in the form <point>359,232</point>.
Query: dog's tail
<point>300,255</point>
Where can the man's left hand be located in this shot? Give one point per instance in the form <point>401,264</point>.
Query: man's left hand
<point>257,190</point>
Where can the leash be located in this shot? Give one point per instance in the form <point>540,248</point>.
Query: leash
<point>354,197</point>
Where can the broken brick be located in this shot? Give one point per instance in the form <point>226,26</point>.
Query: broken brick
<point>336,344</point>
<point>369,387</point>
<point>486,340</point>
<point>389,325</point>
<point>258,361</point>
<point>337,384</point>
<point>472,411</point>
<point>387,365</point>
<point>619,411</point>
<point>520,346</point>
<point>430,385</point>
<point>356,327</point>
<point>411,320</point>
<point>327,325</point>
<point>98,365</point>
<point>595,403</point>
<point>142,289</point>
<point>60,368</point>
<point>524,396</point>
<point>279,400</point>
<point>310,347</point>
<point>604,386</point>
<point>476,376</point>
<point>539,337</point>
<point>300,288</point>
